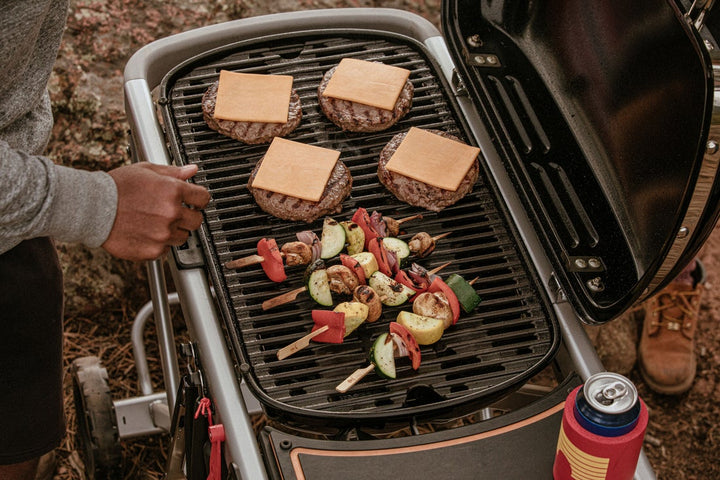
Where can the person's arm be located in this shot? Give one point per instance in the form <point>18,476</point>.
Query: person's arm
<point>39,198</point>
<point>135,212</point>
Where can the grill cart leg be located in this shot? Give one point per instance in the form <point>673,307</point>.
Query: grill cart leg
<point>97,430</point>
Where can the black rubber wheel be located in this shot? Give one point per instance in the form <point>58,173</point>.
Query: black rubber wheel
<point>97,430</point>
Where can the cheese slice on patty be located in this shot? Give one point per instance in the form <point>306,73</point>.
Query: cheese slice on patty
<point>249,97</point>
<point>369,83</point>
<point>432,159</point>
<point>296,169</point>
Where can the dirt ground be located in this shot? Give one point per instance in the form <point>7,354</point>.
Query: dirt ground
<point>104,295</point>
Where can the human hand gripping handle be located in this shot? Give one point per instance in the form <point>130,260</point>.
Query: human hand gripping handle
<point>156,209</point>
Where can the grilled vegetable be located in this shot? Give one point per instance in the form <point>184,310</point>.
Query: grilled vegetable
<point>439,286</point>
<point>272,263</point>
<point>401,249</point>
<point>332,238</point>
<point>342,280</point>
<point>465,293</point>
<point>392,226</point>
<point>366,295</point>
<point>404,339</point>
<point>318,283</point>
<point>391,292</point>
<point>368,263</point>
<point>425,330</point>
<point>354,237</point>
<point>377,248</point>
<point>434,305</point>
<point>355,266</point>
<point>334,320</point>
<point>382,355</point>
<point>355,314</point>
<point>297,253</point>
<point>422,244</point>
<point>362,219</point>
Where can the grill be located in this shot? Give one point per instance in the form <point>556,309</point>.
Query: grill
<point>537,217</point>
<point>510,337</point>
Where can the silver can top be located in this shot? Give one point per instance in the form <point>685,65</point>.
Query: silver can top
<point>610,393</point>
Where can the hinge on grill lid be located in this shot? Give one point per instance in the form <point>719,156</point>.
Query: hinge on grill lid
<point>458,84</point>
<point>697,13</point>
<point>556,291</point>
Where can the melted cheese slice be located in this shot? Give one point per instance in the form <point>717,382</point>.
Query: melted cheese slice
<point>432,159</point>
<point>295,169</point>
<point>248,97</point>
<point>369,83</point>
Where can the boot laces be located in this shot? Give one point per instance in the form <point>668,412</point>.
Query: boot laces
<point>676,310</point>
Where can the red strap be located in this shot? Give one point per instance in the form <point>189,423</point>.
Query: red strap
<point>217,436</point>
<point>204,409</point>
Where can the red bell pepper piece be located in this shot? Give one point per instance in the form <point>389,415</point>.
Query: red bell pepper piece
<point>403,278</point>
<point>272,262</point>
<point>362,218</point>
<point>439,286</point>
<point>377,248</point>
<point>355,266</point>
<point>412,346</point>
<point>334,320</point>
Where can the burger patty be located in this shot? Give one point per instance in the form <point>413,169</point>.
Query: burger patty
<point>250,132</point>
<point>416,192</point>
<point>292,208</point>
<point>356,117</point>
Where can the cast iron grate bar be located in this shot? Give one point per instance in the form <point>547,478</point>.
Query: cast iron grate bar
<point>506,339</point>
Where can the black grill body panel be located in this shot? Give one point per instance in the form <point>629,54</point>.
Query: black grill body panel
<point>512,334</point>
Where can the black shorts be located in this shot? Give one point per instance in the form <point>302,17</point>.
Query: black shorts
<point>32,422</point>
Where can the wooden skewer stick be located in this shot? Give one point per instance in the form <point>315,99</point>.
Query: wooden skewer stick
<point>442,235</point>
<point>407,219</point>
<point>300,343</point>
<point>245,261</point>
<point>354,378</point>
<point>472,282</point>
<point>284,298</point>
<point>438,268</point>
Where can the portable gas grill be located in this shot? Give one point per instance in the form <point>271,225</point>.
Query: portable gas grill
<point>597,185</point>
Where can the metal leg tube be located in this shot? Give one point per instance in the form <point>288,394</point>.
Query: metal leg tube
<point>163,324</point>
<point>138,343</point>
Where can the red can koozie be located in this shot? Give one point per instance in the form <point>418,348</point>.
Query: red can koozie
<point>590,446</point>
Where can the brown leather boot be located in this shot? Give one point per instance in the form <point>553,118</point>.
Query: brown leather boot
<point>666,352</point>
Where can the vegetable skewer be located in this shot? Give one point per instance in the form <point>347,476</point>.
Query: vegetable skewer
<point>291,295</point>
<point>398,342</point>
<point>300,253</point>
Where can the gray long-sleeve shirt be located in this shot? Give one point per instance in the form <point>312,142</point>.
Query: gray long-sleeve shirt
<point>37,197</point>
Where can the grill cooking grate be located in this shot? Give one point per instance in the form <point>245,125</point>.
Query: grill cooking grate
<point>506,340</point>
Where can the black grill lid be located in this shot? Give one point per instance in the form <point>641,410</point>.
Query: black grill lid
<point>601,112</point>
<point>510,337</point>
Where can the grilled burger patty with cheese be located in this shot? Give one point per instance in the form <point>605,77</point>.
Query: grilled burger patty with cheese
<point>292,208</point>
<point>250,132</point>
<point>356,117</point>
<point>417,193</point>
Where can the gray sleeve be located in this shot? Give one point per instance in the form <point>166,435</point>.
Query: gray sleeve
<point>39,198</point>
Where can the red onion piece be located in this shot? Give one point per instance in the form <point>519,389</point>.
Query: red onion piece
<point>308,237</point>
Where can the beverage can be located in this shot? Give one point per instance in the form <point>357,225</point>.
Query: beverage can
<point>602,430</point>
